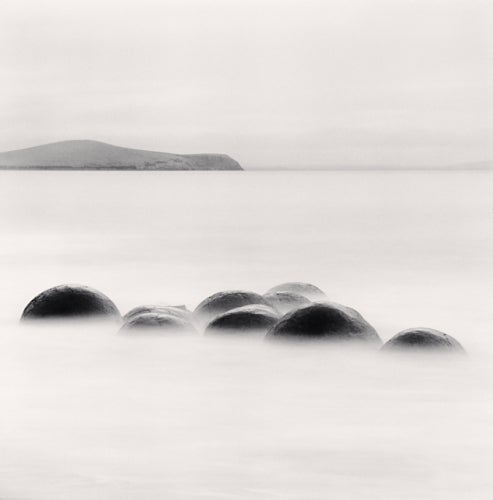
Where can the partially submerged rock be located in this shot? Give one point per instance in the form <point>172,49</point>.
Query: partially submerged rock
<point>245,319</point>
<point>222,302</point>
<point>308,290</point>
<point>70,301</point>
<point>179,311</point>
<point>284,302</point>
<point>422,339</point>
<point>324,321</point>
<point>155,322</point>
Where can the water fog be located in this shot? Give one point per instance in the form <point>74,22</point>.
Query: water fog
<point>90,414</point>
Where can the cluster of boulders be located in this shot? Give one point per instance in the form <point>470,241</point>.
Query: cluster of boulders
<point>291,311</point>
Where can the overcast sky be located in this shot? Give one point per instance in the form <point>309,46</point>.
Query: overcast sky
<point>270,82</point>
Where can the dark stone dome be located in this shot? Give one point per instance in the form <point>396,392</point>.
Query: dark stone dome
<point>422,339</point>
<point>225,301</point>
<point>284,302</point>
<point>155,322</point>
<point>324,321</point>
<point>70,301</point>
<point>308,290</point>
<point>245,319</point>
<point>179,311</point>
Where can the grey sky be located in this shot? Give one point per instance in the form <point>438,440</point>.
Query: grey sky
<point>279,82</point>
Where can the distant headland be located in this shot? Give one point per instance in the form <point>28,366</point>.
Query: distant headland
<point>95,155</point>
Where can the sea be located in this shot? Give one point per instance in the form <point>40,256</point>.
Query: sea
<point>87,414</point>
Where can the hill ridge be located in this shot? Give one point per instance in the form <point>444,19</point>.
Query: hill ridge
<point>86,154</point>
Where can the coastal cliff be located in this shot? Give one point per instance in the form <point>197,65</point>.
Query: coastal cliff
<point>94,155</point>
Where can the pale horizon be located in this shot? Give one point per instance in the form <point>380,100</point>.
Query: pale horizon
<point>288,84</point>
<point>479,165</point>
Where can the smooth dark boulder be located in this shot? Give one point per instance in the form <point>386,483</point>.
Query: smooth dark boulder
<point>155,322</point>
<point>246,319</point>
<point>179,311</point>
<point>308,290</point>
<point>222,302</point>
<point>324,321</point>
<point>284,302</point>
<point>70,301</point>
<point>422,339</point>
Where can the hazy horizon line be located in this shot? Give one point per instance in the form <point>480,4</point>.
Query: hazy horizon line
<point>476,165</point>
<point>468,165</point>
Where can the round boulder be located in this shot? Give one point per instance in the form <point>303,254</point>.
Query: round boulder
<point>222,302</point>
<point>155,322</point>
<point>422,339</point>
<point>70,301</point>
<point>324,321</point>
<point>245,319</point>
<point>305,289</point>
<point>284,302</point>
<point>179,311</point>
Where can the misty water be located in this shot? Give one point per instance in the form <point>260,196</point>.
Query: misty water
<point>87,414</point>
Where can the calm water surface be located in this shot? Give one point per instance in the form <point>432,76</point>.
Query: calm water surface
<point>86,414</point>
